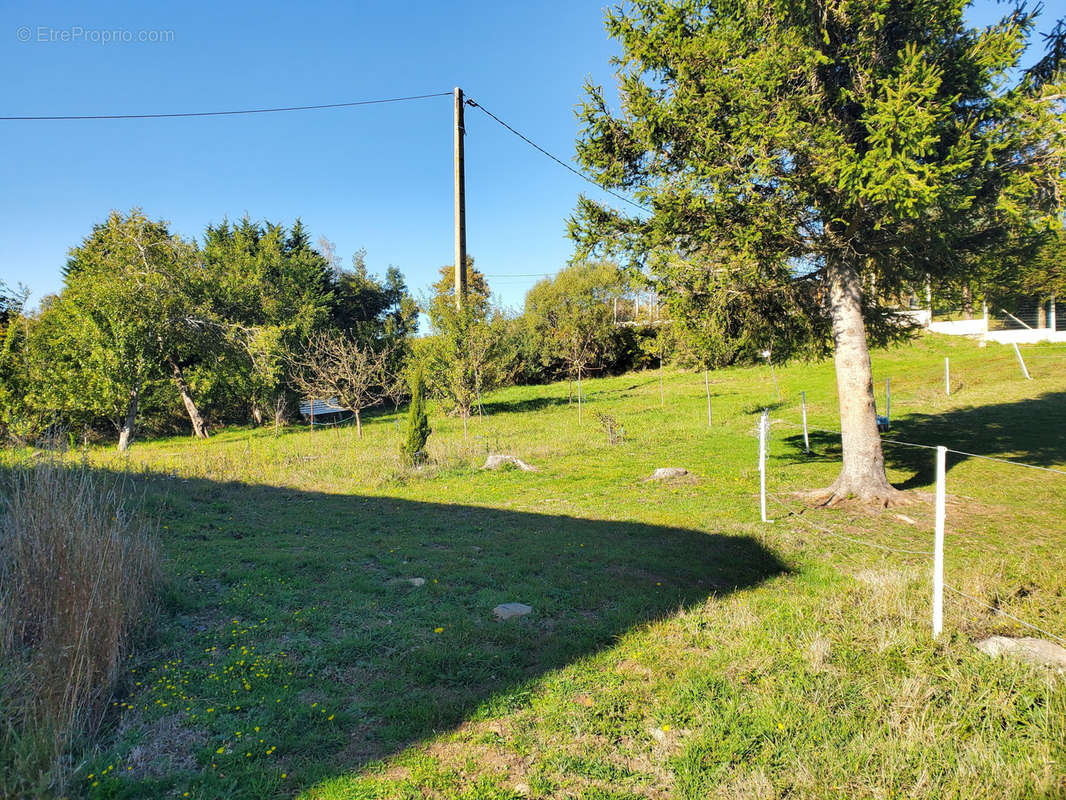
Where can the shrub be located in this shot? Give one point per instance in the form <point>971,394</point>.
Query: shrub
<point>418,430</point>
<point>78,570</point>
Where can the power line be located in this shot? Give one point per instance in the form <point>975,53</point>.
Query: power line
<point>517,274</point>
<point>229,113</point>
<point>558,161</point>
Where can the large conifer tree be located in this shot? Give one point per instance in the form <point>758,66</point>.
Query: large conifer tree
<point>853,146</point>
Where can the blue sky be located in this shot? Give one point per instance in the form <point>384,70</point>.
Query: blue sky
<point>378,177</point>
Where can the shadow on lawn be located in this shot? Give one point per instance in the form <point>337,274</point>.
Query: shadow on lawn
<point>325,574</point>
<point>1032,431</point>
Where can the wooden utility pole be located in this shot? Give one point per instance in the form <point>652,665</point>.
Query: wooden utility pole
<point>460,203</point>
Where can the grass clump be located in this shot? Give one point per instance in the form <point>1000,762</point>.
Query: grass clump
<point>78,570</point>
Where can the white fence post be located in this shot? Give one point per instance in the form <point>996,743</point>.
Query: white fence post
<point>707,389</point>
<point>888,402</point>
<point>938,544</point>
<point>764,425</point>
<point>947,376</point>
<point>1021,361</point>
<point>806,441</point>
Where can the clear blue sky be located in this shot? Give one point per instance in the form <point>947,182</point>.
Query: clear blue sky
<point>378,177</point>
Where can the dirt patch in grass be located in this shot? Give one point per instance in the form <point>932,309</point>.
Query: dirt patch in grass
<point>166,746</point>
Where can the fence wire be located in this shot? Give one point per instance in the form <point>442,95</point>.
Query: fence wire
<point>905,551</point>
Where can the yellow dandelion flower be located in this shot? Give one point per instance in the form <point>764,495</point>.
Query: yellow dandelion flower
<point>438,630</point>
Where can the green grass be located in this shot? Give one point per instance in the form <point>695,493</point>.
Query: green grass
<point>678,647</point>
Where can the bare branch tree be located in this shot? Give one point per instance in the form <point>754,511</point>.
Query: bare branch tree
<point>336,367</point>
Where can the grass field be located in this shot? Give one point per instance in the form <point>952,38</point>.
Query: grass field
<point>678,647</point>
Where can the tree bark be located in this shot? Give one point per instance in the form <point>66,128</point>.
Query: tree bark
<point>279,412</point>
<point>257,414</point>
<point>199,428</point>
<point>967,302</point>
<point>129,427</point>
<point>862,475</point>
<point>358,424</point>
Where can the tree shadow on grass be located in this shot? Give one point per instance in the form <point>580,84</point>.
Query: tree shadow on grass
<point>1031,431</point>
<point>292,615</point>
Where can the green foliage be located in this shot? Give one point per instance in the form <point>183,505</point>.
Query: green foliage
<point>418,430</point>
<point>127,308</point>
<point>770,139</point>
<point>467,354</point>
<point>149,325</point>
<point>572,317</point>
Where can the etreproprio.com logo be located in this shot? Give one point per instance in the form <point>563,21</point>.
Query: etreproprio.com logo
<point>47,34</point>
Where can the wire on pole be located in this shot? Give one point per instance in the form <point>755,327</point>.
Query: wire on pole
<point>228,113</point>
<point>557,160</point>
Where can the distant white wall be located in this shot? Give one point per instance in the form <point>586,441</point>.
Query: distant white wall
<point>1028,336</point>
<point>960,327</point>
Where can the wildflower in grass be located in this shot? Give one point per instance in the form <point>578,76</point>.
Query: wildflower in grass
<point>438,630</point>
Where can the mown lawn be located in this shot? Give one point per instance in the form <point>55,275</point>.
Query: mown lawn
<point>678,647</point>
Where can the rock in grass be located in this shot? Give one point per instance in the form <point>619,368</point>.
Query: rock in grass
<point>667,474</point>
<point>497,461</point>
<point>407,582</point>
<point>508,610</point>
<point>1027,648</point>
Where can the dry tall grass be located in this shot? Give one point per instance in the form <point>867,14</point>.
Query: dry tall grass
<point>78,570</point>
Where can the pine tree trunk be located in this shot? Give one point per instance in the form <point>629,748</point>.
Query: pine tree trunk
<point>199,429</point>
<point>129,427</point>
<point>862,475</point>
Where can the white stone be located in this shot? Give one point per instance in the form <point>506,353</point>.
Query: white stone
<point>497,461</point>
<point>667,474</point>
<point>407,581</point>
<point>1035,651</point>
<point>508,610</point>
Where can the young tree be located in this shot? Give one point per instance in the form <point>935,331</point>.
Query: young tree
<point>464,351</point>
<point>838,143</point>
<point>332,365</point>
<point>418,430</point>
<point>573,316</point>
